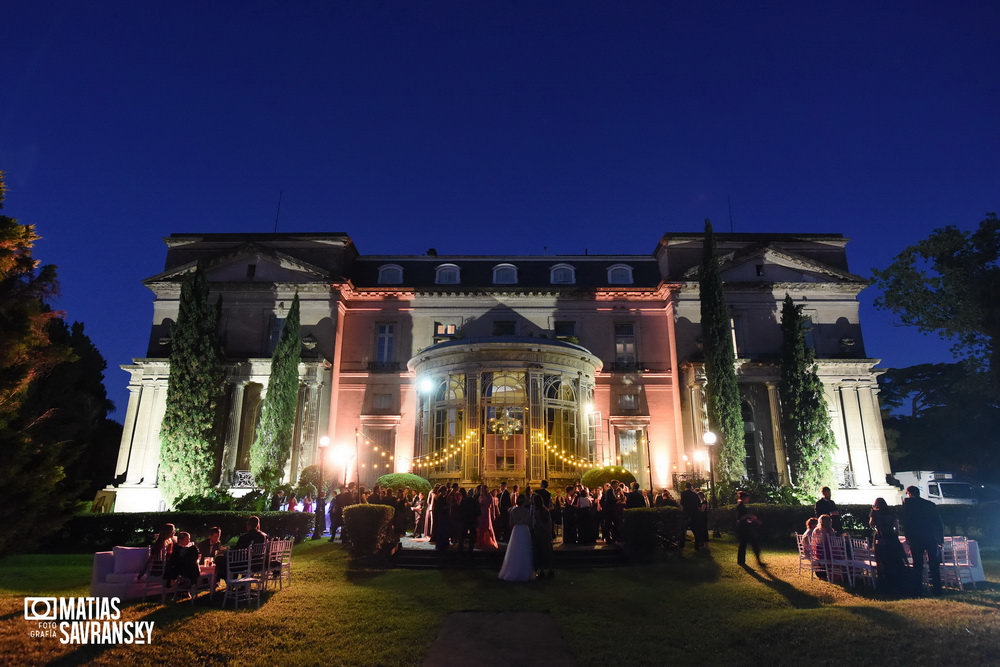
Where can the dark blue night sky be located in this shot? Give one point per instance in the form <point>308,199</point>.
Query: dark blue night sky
<point>490,128</point>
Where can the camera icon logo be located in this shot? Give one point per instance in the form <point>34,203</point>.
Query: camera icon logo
<point>41,609</point>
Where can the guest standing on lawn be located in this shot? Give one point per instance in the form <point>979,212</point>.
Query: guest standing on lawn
<point>747,531</point>
<point>925,535</point>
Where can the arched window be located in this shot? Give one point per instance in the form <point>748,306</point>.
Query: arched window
<point>562,274</point>
<point>390,274</point>
<point>619,274</point>
<point>447,274</point>
<point>504,274</point>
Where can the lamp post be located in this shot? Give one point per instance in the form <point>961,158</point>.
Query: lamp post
<point>710,439</point>
<point>324,442</point>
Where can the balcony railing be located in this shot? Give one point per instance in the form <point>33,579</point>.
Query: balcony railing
<point>383,366</point>
<point>626,366</point>
<point>243,479</point>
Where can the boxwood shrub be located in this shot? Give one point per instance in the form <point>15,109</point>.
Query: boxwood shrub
<point>369,531</point>
<point>100,532</point>
<point>648,529</point>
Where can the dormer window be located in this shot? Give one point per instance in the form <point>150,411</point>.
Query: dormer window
<point>390,274</point>
<point>447,274</point>
<point>562,274</point>
<point>620,274</point>
<point>504,274</point>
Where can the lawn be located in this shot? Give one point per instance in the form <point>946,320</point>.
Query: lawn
<point>697,610</point>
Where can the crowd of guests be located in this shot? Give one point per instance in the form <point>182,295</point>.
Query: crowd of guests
<point>180,558</point>
<point>895,572</point>
<point>452,516</point>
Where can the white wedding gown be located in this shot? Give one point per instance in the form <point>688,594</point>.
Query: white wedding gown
<point>518,564</point>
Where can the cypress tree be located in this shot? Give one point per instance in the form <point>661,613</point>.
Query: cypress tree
<point>722,391</point>
<point>189,448</point>
<point>805,421</point>
<point>273,442</point>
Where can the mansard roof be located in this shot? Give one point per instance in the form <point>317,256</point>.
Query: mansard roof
<point>763,253</point>
<point>239,255</point>
<point>532,271</point>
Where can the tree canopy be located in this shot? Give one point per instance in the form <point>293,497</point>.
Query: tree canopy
<point>949,284</point>
<point>38,495</point>
<point>937,417</point>
<point>722,391</point>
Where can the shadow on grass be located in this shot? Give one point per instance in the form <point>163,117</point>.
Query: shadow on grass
<point>795,597</point>
<point>163,618</point>
<point>880,617</point>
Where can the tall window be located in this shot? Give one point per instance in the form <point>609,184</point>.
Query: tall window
<point>504,274</point>
<point>809,332</point>
<point>625,343</point>
<point>444,331</point>
<point>564,329</point>
<point>620,274</point>
<point>384,342</point>
<point>390,274</point>
<point>562,274</point>
<point>631,443</point>
<point>447,274</point>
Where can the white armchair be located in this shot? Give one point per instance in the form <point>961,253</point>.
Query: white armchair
<point>115,572</point>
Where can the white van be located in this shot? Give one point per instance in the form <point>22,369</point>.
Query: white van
<point>941,488</point>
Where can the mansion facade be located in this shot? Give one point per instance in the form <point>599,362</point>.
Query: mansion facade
<point>472,368</point>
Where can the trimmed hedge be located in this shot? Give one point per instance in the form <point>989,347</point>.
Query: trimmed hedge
<point>647,529</point>
<point>779,522</point>
<point>369,530</point>
<point>404,480</point>
<point>100,532</point>
<point>600,476</point>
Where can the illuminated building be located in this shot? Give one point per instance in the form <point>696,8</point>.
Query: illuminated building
<point>472,368</point>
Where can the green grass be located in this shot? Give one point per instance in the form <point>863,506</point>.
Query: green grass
<point>697,610</point>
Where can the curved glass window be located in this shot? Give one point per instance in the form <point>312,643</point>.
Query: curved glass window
<point>447,274</point>
<point>390,274</point>
<point>504,274</point>
<point>620,274</point>
<point>562,274</point>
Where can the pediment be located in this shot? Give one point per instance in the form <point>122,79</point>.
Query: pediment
<point>269,266</point>
<point>766,264</point>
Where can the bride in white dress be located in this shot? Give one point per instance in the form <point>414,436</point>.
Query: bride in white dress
<point>517,562</point>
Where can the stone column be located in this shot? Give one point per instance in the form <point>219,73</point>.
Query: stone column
<point>780,457</point>
<point>232,444</point>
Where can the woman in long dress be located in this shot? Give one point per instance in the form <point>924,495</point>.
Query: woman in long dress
<point>517,562</point>
<point>485,537</point>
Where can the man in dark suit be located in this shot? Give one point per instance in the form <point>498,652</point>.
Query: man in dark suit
<point>825,505</point>
<point>343,499</point>
<point>503,521</point>
<point>925,534</point>
<point>546,495</point>
<point>634,498</point>
<point>690,506</point>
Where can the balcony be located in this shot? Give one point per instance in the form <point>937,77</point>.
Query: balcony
<point>626,366</point>
<point>383,366</point>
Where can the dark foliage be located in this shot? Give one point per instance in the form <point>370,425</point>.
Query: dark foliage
<point>100,532</point>
<point>649,529</point>
<point>369,530</point>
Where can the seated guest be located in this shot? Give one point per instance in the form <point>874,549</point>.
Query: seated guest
<point>210,546</point>
<point>807,537</point>
<point>183,561</point>
<point>161,547</point>
<point>254,535</point>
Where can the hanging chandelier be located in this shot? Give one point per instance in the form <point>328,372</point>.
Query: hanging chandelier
<point>505,425</point>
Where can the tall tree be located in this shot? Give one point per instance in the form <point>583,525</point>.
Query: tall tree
<point>189,440</point>
<point>273,442</point>
<point>938,417</point>
<point>949,284</point>
<point>805,421</point>
<point>721,390</point>
<point>70,405</point>
<point>38,496</point>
